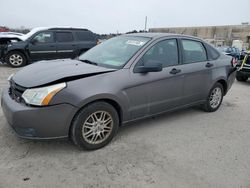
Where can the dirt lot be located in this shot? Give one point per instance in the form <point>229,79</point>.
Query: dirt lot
<point>188,148</point>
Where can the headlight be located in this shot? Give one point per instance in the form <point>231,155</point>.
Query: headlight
<point>43,95</point>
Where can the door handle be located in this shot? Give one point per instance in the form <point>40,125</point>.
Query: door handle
<point>175,71</point>
<point>208,65</point>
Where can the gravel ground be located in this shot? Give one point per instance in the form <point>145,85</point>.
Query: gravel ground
<point>188,148</point>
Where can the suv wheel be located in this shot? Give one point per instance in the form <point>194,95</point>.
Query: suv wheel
<point>95,126</point>
<point>241,78</point>
<point>16,59</point>
<point>214,98</point>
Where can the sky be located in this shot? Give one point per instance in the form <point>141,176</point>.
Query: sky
<point>112,16</point>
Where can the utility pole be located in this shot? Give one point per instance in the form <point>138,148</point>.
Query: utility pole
<point>146,20</point>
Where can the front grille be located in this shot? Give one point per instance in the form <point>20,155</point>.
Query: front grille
<point>16,91</point>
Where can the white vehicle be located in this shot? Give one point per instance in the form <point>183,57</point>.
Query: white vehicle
<point>238,44</point>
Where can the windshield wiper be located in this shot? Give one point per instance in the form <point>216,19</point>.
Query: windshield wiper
<point>88,61</point>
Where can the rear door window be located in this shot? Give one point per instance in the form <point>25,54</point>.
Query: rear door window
<point>193,51</point>
<point>64,37</point>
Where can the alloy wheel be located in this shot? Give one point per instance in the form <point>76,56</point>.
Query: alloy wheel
<point>215,97</point>
<point>16,60</point>
<point>97,127</point>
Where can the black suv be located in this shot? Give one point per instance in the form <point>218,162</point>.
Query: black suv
<point>243,66</point>
<point>48,43</point>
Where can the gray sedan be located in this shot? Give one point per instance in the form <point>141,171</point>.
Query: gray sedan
<point>121,80</point>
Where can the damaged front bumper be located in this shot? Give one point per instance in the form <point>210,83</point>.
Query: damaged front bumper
<point>37,122</point>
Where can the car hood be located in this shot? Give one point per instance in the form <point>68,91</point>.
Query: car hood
<point>11,36</point>
<point>55,71</point>
<point>7,39</point>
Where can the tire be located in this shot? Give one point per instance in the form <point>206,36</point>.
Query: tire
<point>216,91</point>
<point>16,59</point>
<point>88,125</point>
<point>241,78</point>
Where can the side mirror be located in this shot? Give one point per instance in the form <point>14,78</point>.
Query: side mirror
<point>149,67</point>
<point>34,41</point>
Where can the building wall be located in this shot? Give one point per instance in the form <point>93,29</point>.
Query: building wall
<point>213,34</point>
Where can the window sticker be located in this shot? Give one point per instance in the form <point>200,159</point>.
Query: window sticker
<point>135,42</point>
<point>112,62</point>
<point>46,35</point>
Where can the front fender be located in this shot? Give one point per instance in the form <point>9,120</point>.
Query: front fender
<point>14,47</point>
<point>80,101</point>
<point>103,96</point>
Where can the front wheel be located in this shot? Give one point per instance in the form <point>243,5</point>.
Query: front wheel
<point>95,126</point>
<point>16,59</point>
<point>214,98</point>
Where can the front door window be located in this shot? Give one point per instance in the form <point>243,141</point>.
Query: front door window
<point>44,37</point>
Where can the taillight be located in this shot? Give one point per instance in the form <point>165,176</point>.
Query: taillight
<point>234,62</point>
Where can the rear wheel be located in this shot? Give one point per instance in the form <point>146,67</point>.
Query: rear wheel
<point>214,98</point>
<point>16,59</point>
<point>95,126</point>
<point>241,78</point>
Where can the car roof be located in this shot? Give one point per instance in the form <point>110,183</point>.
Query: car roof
<point>37,29</point>
<point>67,28</point>
<point>160,35</point>
<point>58,28</point>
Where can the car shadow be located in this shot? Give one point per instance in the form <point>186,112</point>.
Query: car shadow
<point>3,64</point>
<point>166,117</point>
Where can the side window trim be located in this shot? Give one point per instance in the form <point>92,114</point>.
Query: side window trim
<point>204,47</point>
<point>180,52</point>
<point>182,49</point>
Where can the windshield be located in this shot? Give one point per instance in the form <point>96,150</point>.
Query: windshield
<point>115,52</point>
